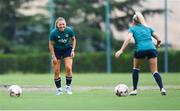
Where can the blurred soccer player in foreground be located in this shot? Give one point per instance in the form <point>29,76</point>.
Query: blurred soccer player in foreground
<point>144,49</point>
<point>62,43</point>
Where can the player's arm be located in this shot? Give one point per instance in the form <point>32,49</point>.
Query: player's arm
<point>73,46</point>
<point>51,47</point>
<point>73,43</point>
<point>51,44</point>
<point>157,39</point>
<point>125,44</point>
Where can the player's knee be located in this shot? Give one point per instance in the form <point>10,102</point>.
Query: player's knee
<point>68,69</point>
<point>55,62</point>
<point>56,71</point>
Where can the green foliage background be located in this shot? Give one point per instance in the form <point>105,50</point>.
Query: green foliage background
<point>83,62</point>
<point>20,33</point>
<point>24,39</point>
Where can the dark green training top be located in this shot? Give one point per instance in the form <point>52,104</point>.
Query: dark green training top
<point>61,40</point>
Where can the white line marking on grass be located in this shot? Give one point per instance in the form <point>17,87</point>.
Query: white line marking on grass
<point>46,88</point>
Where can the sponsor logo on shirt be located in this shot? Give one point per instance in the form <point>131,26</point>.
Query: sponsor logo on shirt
<point>67,35</point>
<point>62,40</point>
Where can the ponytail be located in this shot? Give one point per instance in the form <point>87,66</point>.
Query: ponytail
<point>138,18</point>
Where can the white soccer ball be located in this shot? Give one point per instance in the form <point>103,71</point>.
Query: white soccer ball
<point>121,90</point>
<point>15,91</point>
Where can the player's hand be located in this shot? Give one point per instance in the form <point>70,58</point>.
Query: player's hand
<point>118,53</point>
<point>158,44</point>
<point>72,53</point>
<point>54,59</point>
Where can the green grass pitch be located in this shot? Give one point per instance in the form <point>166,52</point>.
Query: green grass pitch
<point>90,92</point>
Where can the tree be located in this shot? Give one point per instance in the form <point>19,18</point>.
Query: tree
<point>8,19</point>
<point>20,33</point>
<point>87,17</point>
<point>23,34</point>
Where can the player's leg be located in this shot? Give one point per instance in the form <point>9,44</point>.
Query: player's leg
<point>57,78</point>
<point>156,74</point>
<point>135,74</point>
<point>68,66</point>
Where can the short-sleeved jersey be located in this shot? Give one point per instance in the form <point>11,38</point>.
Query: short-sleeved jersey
<point>61,40</point>
<point>143,37</point>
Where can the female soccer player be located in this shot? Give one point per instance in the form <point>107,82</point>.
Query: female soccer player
<point>144,49</point>
<point>62,43</point>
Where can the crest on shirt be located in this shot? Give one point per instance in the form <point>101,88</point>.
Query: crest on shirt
<point>67,35</point>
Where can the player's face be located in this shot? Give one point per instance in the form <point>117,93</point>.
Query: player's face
<point>61,25</point>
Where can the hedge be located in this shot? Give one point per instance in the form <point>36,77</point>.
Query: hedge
<point>36,63</point>
<point>83,62</point>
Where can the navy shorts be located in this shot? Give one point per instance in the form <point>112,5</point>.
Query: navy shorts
<point>62,53</point>
<point>147,54</point>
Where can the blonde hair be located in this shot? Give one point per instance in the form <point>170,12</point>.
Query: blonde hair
<point>59,19</point>
<point>139,18</point>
